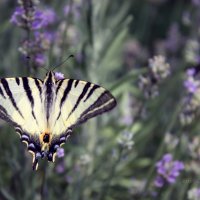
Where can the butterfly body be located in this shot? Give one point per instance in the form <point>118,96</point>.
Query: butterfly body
<point>45,112</point>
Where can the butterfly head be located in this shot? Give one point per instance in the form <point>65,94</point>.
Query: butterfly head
<point>50,78</point>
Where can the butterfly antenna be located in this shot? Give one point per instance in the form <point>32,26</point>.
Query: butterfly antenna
<point>29,58</point>
<point>70,56</point>
<point>42,67</point>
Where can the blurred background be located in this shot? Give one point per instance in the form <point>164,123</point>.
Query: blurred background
<point>147,54</point>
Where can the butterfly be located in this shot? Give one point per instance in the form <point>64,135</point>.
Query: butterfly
<point>44,112</point>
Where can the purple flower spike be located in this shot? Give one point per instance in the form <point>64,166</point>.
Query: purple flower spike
<point>167,158</point>
<point>38,21</point>
<point>167,170</point>
<point>190,72</point>
<point>60,168</point>
<point>49,17</point>
<point>60,152</point>
<point>40,59</point>
<point>16,17</point>
<point>191,85</point>
<point>196,2</point>
<point>159,181</point>
<point>43,18</point>
<point>66,10</point>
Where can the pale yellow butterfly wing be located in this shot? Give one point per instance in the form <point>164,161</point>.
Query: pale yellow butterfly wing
<point>77,101</point>
<point>21,103</point>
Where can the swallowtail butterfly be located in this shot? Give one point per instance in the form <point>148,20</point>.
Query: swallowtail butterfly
<point>44,112</point>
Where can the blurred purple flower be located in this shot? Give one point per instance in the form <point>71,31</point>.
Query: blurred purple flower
<point>196,2</point>
<point>75,9</point>
<point>40,59</point>
<point>66,10</point>
<point>127,120</point>
<point>49,36</point>
<point>60,152</point>
<point>38,20</point>
<point>174,39</point>
<point>79,57</point>
<point>16,17</point>
<point>191,85</point>
<point>69,179</point>
<point>49,16</point>
<point>60,168</point>
<point>167,170</point>
<point>34,20</point>
<point>43,18</point>
<point>190,72</point>
<point>159,181</point>
<point>59,75</point>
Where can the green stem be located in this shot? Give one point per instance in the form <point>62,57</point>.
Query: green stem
<point>106,185</point>
<point>43,184</point>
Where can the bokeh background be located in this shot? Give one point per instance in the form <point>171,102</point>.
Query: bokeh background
<point>147,54</point>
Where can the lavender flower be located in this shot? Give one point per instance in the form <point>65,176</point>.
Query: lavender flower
<point>174,39</point>
<point>59,75</point>
<point>196,2</point>
<point>43,18</point>
<point>69,179</point>
<point>34,20</point>
<point>60,168</point>
<point>167,170</point>
<point>191,102</point>
<point>17,16</point>
<point>66,10</point>
<point>75,9</point>
<point>159,68</point>
<point>60,152</point>
<point>40,59</point>
<point>191,85</point>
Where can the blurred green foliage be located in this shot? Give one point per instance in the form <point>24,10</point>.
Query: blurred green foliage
<point>112,42</point>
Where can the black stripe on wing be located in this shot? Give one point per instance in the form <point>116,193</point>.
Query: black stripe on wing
<point>81,96</point>
<point>103,104</point>
<point>91,92</point>
<point>59,85</point>
<point>76,83</point>
<point>28,90</point>
<point>64,97</point>
<point>66,92</point>
<point>29,94</point>
<point>17,80</point>
<point>5,116</point>
<point>2,93</point>
<point>10,95</point>
<point>37,83</point>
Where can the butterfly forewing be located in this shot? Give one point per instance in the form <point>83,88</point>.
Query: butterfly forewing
<point>77,101</point>
<point>20,102</point>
